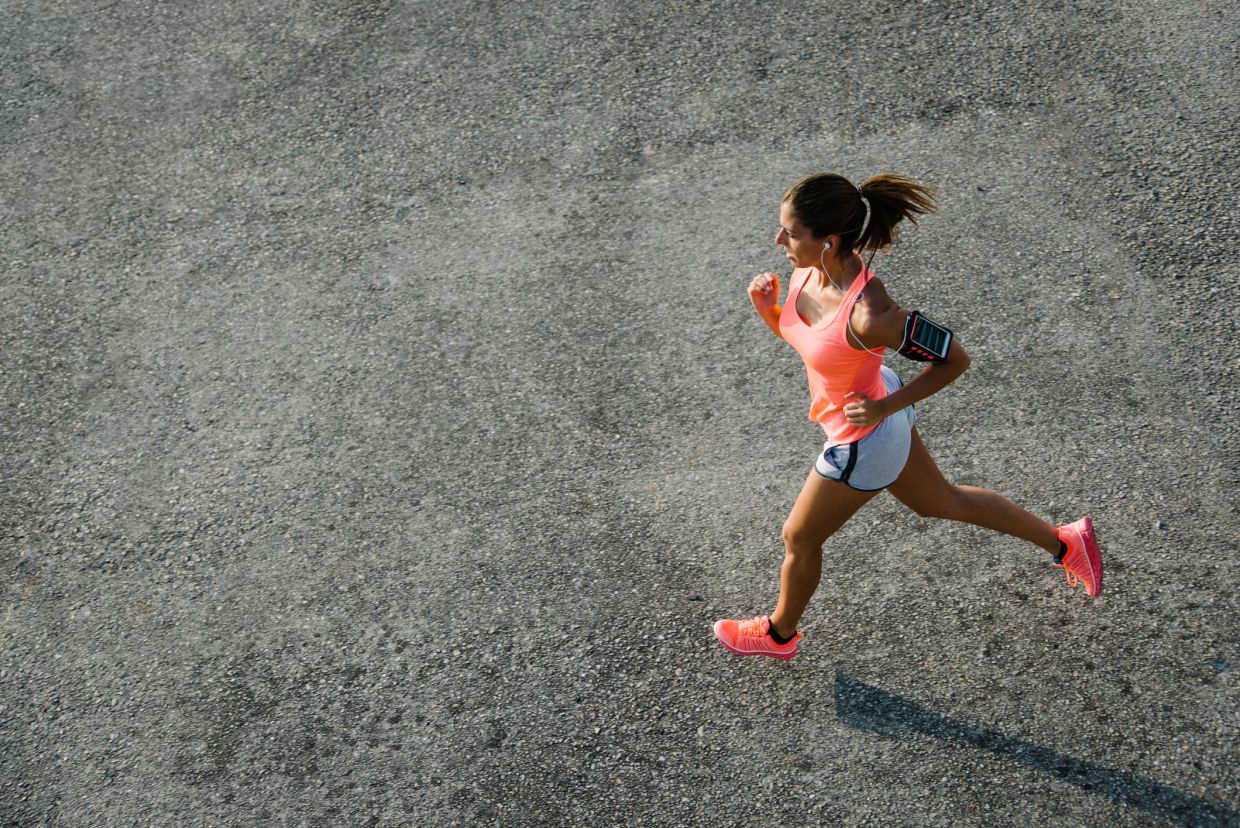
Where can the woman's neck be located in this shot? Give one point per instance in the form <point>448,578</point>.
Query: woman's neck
<point>841,272</point>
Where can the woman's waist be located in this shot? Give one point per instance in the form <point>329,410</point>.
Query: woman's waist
<point>833,391</point>
<point>839,430</point>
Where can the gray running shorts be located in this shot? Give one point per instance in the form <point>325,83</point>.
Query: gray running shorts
<point>876,460</point>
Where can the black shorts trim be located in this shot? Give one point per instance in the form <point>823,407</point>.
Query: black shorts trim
<point>849,485</point>
<point>852,461</point>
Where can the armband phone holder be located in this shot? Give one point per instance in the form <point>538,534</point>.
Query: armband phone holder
<point>924,340</point>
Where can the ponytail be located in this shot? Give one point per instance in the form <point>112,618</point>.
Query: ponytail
<point>892,198</point>
<point>865,217</point>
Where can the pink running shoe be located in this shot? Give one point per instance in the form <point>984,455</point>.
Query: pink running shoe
<point>752,638</point>
<point>1082,563</point>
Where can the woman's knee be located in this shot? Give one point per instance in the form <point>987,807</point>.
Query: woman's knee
<point>800,538</point>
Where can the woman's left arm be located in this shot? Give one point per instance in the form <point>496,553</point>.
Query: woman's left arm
<point>885,325</point>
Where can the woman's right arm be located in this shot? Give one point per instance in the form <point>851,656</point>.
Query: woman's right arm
<point>764,293</point>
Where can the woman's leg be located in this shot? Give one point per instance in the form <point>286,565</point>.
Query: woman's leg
<point>822,507</point>
<point>922,488</point>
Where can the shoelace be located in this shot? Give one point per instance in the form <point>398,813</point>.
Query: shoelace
<point>752,627</point>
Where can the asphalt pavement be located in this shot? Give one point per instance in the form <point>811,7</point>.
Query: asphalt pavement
<point>385,422</point>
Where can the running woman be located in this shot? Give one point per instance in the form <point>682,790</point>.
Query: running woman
<point>840,319</point>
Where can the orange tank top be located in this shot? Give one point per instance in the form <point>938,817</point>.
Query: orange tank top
<point>834,367</point>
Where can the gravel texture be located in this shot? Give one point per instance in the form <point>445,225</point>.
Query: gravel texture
<point>385,423</point>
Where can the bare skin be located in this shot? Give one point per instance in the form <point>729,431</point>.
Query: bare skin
<point>823,506</point>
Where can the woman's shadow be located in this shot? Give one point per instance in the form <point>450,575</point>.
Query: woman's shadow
<point>865,707</point>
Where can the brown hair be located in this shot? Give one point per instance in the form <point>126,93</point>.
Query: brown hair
<point>828,203</point>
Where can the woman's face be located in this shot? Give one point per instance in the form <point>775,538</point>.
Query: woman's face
<point>803,249</point>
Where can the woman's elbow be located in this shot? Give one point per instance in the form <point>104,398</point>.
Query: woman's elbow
<point>957,359</point>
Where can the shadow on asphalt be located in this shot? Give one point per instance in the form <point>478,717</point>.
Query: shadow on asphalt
<point>867,708</point>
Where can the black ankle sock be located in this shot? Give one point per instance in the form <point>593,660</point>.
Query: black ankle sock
<point>777,638</point>
<point>1063,550</point>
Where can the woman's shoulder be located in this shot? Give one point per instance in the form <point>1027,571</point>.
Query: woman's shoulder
<point>874,297</point>
<point>878,318</point>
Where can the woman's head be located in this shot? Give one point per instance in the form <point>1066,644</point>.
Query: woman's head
<point>828,209</point>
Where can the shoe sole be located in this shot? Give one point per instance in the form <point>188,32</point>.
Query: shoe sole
<point>1093,556</point>
<point>767,653</point>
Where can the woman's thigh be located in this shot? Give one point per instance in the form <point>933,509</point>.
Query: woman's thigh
<point>921,486</point>
<point>822,507</point>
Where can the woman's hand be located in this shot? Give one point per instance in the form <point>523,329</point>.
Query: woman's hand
<point>764,292</point>
<point>863,411</point>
